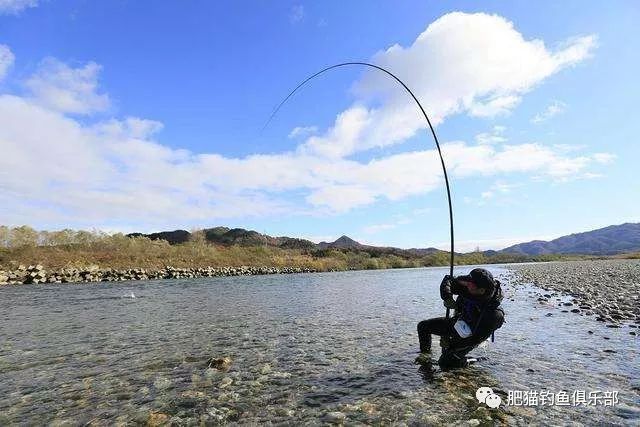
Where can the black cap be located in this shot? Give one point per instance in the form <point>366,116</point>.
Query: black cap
<point>482,278</point>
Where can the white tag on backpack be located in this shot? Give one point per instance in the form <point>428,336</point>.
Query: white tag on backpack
<point>463,330</point>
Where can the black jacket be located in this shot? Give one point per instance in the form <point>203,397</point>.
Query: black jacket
<point>483,315</point>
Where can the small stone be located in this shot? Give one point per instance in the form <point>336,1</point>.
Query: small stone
<point>285,412</point>
<point>157,419</point>
<point>226,382</point>
<point>266,369</point>
<point>368,408</point>
<point>162,383</point>
<point>221,363</point>
<point>335,417</point>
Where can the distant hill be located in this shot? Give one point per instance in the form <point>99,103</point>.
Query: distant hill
<point>343,242</point>
<point>173,237</point>
<point>424,251</point>
<point>610,240</point>
<point>231,236</point>
<point>237,236</point>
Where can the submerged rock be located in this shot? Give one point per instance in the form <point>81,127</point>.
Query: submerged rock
<point>220,363</point>
<point>157,419</point>
<point>226,382</point>
<point>334,417</point>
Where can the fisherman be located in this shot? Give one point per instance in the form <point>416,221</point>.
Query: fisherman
<point>477,314</point>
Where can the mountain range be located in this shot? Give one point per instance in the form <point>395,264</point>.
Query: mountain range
<point>614,239</point>
<point>611,240</point>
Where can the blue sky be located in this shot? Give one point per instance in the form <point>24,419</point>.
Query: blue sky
<point>146,116</point>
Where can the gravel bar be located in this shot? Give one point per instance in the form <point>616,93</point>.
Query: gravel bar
<point>606,289</point>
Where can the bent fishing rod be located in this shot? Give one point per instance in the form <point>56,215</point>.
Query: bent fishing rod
<point>435,138</point>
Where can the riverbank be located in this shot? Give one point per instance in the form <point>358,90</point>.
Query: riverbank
<point>35,274</point>
<point>609,290</point>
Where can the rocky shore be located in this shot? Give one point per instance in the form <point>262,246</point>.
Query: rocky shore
<point>35,274</point>
<point>609,290</point>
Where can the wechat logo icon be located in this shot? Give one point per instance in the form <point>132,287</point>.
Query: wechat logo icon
<point>488,397</point>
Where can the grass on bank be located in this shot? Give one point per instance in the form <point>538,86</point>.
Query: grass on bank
<point>118,251</point>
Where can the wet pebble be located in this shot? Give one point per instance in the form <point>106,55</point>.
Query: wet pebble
<point>265,369</point>
<point>157,419</point>
<point>334,417</point>
<point>219,363</point>
<point>226,382</point>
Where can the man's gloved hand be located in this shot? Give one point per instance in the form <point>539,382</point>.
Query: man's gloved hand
<point>447,278</point>
<point>450,303</point>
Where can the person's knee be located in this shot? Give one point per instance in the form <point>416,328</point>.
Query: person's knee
<point>422,326</point>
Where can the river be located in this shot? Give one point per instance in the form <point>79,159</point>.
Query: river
<point>305,349</point>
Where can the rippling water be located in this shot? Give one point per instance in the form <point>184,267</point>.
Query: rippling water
<point>306,348</point>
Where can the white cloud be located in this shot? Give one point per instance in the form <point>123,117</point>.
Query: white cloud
<point>494,106</point>
<point>486,194</point>
<point>591,175</point>
<point>131,127</point>
<point>498,188</point>
<point>59,87</point>
<point>555,108</point>
<point>13,7</point>
<point>114,172</point>
<point>302,131</point>
<point>569,148</point>
<point>6,60</point>
<point>376,228</point>
<point>341,198</point>
<point>297,14</point>
<point>604,158</point>
<point>495,136</point>
<point>462,63</point>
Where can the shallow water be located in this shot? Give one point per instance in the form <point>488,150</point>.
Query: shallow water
<point>305,348</point>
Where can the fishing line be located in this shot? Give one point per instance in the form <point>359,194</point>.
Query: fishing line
<point>435,138</point>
